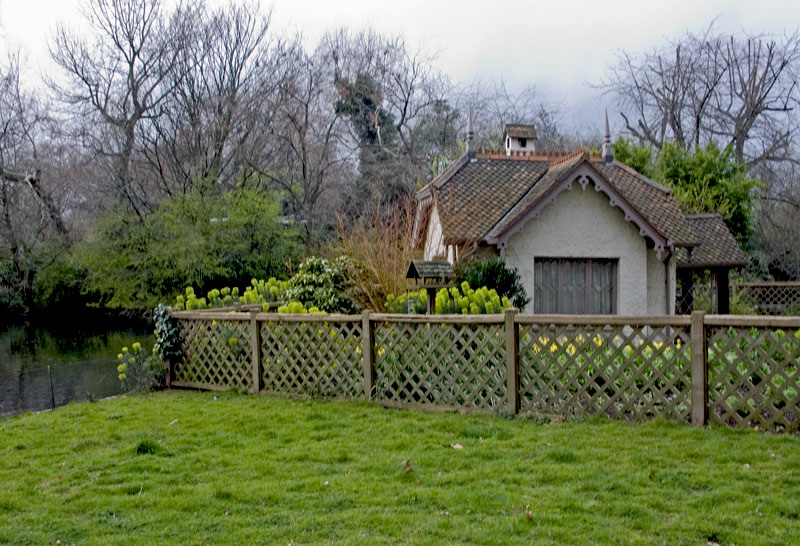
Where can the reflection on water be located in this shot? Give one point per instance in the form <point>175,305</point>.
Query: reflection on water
<point>45,366</point>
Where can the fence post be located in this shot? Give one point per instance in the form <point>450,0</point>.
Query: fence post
<point>368,352</point>
<point>255,351</point>
<point>512,360</point>
<point>699,369</point>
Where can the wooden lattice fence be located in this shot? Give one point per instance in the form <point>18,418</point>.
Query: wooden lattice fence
<point>317,355</point>
<point>618,368</point>
<point>753,373</point>
<point>732,370</point>
<point>440,361</point>
<point>770,298</point>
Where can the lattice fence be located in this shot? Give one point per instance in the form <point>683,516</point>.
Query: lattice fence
<point>753,377</point>
<point>320,358</point>
<point>216,355</point>
<point>630,371</point>
<point>771,298</point>
<point>631,368</point>
<point>441,364</point>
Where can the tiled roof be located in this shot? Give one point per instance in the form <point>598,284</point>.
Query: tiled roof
<point>520,131</point>
<point>421,269</point>
<point>717,247</point>
<point>478,194</point>
<point>652,200</point>
<point>480,200</point>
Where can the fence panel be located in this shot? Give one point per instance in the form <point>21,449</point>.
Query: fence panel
<point>753,376</point>
<point>621,370</point>
<point>313,357</point>
<point>770,298</point>
<point>444,364</point>
<point>216,353</point>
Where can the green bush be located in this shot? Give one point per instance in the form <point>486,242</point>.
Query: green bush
<point>195,239</point>
<point>259,291</point>
<point>466,301</point>
<point>418,301</point>
<point>325,284</point>
<point>494,273</point>
<point>139,370</point>
<point>461,300</point>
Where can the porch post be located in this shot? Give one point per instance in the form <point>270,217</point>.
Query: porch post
<point>686,275</point>
<point>723,291</point>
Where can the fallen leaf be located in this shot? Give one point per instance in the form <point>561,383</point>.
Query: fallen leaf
<point>528,512</point>
<point>419,480</point>
<point>457,446</point>
<point>407,466</point>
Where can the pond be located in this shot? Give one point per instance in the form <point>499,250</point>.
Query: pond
<point>43,366</point>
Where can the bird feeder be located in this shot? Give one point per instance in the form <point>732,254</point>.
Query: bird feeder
<point>430,275</point>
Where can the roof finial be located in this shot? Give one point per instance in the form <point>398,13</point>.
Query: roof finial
<point>608,152</point>
<point>470,137</point>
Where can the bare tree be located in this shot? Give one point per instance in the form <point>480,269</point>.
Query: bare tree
<point>735,90</point>
<point>227,69</point>
<point>32,220</point>
<point>302,150</point>
<point>119,76</point>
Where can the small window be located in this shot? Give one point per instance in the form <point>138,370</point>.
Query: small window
<point>523,142</point>
<point>575,286</point>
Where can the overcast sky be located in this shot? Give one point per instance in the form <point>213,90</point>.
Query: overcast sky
<point>561,46</point>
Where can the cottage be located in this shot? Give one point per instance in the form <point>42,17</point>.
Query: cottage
<point>589,235</point>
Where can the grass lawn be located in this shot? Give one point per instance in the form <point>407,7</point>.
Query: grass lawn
<point>203,468</point>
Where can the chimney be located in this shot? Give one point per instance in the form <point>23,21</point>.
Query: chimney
<point>608,152</point>
<point>519,138</point>
<point>470,138</point>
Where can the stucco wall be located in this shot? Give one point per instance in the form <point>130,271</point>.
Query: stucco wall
<point>434,244</point>
<point>582,224</point>
<point>656,285</point>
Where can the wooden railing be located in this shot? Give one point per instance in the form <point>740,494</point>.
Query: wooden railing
<point>732,370</point>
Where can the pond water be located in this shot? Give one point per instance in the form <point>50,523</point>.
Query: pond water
<point>46,366</point>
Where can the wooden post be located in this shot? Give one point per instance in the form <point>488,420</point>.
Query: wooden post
<point>512,360</point>
<point>368,352</point>
<point>699,369</point>
<point>255,351</point>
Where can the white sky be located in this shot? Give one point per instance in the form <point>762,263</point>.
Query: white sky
<point>558,45</point>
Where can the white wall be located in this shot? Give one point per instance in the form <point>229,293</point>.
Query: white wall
<point>656,285</point>
<point>582,224</point>
<point>434,240</point>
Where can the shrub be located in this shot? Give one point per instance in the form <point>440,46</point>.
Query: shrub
<point>466,301</point>
<point>415,303</point>
<point>139,370</point>
<point>325,284</point>
<point>455,300</point>
<point>259,291</point>
<point>494,273</point>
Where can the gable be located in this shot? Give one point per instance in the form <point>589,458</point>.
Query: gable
<point>578,171</point>
<point>484,199</point>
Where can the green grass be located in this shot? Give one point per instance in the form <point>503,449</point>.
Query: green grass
<point>199,468</point>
